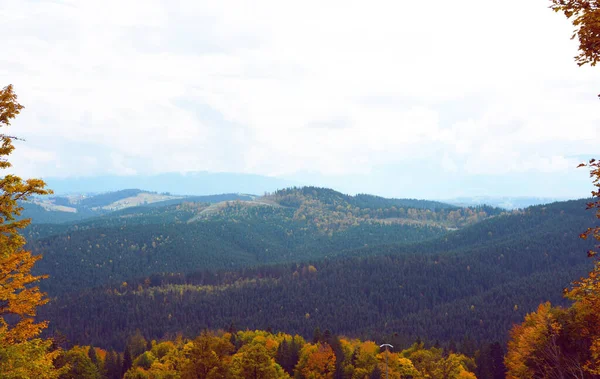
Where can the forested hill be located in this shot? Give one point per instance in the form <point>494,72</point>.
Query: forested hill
<point>293,225</point>
<point>312,202</point>
<point>476,281</point>
<point>295,196</point>
<point>78,207</point>
<point>94,256</point>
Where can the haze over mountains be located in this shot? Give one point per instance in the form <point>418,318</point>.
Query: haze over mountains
<point>206,183</point>
<point>193,183</point>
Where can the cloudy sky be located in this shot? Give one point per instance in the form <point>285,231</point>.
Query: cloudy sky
<point>399,98</point>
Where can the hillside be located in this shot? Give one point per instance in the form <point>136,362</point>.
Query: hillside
<point>99,255</point>
<point>476,281</point>
<point>75,208</point>
<point>331,210</point>
<point>294,225</point>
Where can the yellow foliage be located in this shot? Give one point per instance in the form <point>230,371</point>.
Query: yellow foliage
<point>29,359</point>
<point>316,361</point>
<point>21,355</point>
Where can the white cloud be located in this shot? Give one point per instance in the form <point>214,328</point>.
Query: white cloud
<point>274,87</point>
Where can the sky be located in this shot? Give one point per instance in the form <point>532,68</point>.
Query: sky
<point>396,98</point>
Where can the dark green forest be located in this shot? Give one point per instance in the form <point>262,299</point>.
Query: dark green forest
<point>165,270</point>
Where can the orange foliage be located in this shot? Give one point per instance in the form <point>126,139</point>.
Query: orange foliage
<point>317,361</point>
<point>18,296</point>
<point>533,343</point>
<point>585,15</point>
<point>563,342</point>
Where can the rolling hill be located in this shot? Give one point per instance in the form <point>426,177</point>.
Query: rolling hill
<point>317,259</point>
<point>75,208</point>
<point>191,236</point>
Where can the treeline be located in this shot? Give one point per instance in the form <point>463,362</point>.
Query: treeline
<point>262,354</point>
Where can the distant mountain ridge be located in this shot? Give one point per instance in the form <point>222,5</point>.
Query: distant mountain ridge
<point>191,183</point>
<point>78,207</point>
<point>506,202</point>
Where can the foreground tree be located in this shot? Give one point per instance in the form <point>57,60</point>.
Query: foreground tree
<point>20,351</point>
<point>585,16</point>
<point>557,342</point>
<point>544,346</point>
<point>593,232</point>
<point>586,291</point>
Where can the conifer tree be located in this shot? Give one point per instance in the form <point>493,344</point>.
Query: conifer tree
<point>112,370</point>
<point>92,355</point>
<point>127,361</point>
<point>117,373</point>
<point>317,336</point>
<point>294,353</point>
<point>282,357</point>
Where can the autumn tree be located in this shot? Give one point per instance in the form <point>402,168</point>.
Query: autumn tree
<point>79,365</point>
<point>253,362</point>
<point>317,361</point>
<point>585,16</point>
<point>19,294</point>
<point>555,341</point>
<point>586,291</point>
<point>431,363</point>
<point>594,231</point>
<point>563,342</point>
<point>206,357</point>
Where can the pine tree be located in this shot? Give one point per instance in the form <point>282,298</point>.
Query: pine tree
<point>110,365</point>
<point>294,353</point>
<point>118,374</point>
<point>137,344</point>
<point>497,361</point>
<point>452,346</point>
<point>127,361</point>
<point>317,336</point>
<point>282,357</point>
<point>467,346</point>
<point>92,355</point>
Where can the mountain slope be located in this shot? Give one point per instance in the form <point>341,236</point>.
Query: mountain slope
<point>97,256</point>
<point>475,282</point>
<point>293,225</point>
